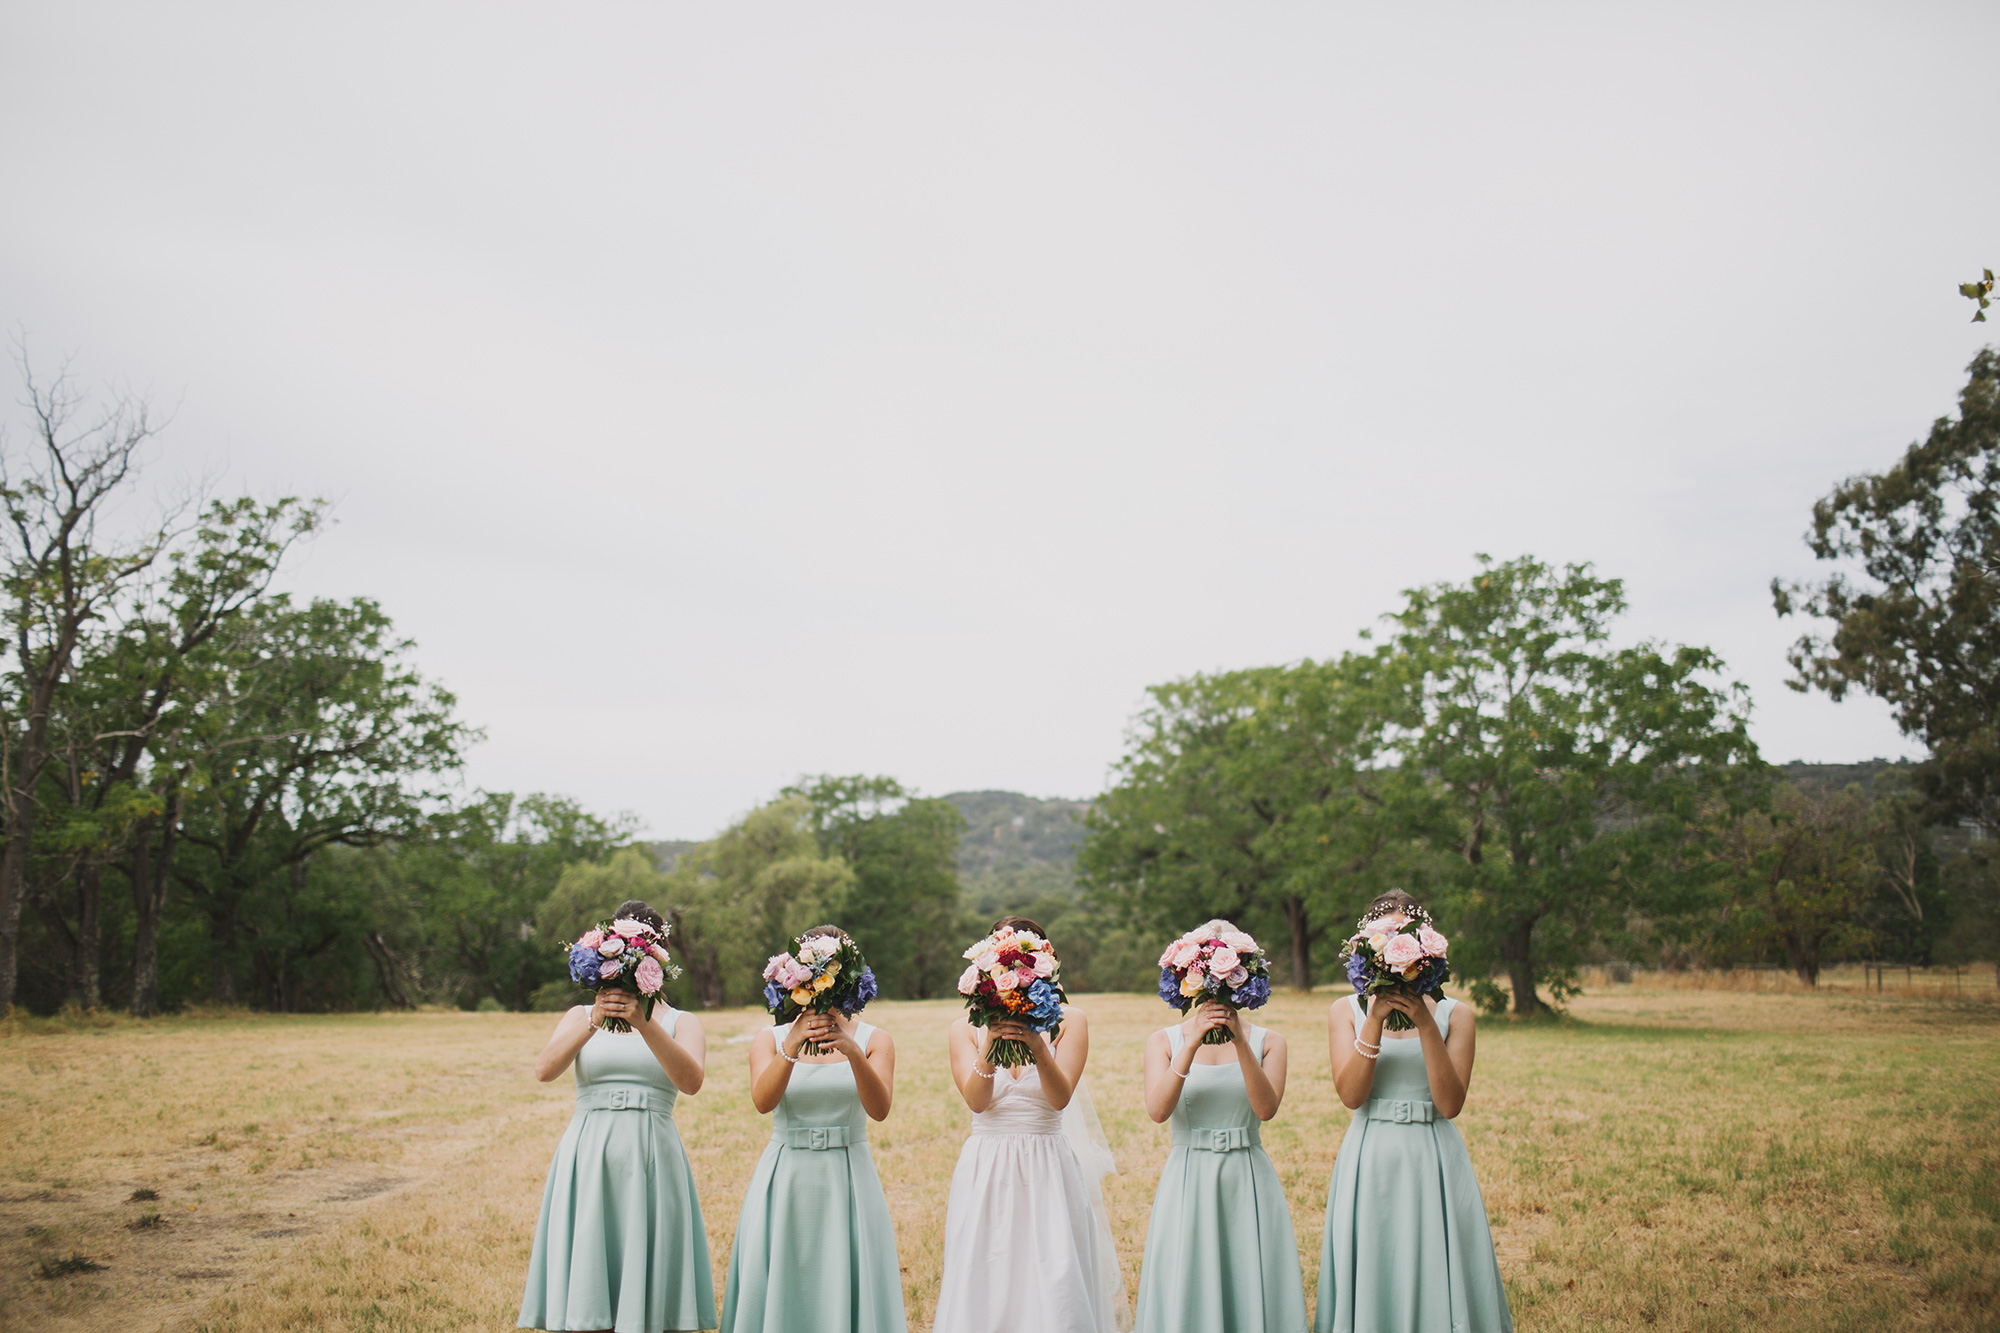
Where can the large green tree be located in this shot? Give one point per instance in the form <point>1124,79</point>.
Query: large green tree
<point>1913,594</point>
<point>1563,774</point>
<point>1254,795</point>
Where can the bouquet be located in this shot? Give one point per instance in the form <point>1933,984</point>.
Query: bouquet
<point>821,973</point>
<point>1396,951</point>
<point>623,955</point>
<point>1224,966</point>
<point>1014,977</point>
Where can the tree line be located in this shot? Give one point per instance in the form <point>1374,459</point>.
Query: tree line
<point>216,792</point>
<point>1562,798</point>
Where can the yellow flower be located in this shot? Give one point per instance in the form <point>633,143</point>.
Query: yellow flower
<point>1191,983</point>
<point>821,983</point>
<point>832,971</point>
<point>802,997</point>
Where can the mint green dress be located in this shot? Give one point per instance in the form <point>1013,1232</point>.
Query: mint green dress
<point>620,1243</point>
<point>1407,1248</point>
<point>815,1251</point>
<point>1221,1256</point>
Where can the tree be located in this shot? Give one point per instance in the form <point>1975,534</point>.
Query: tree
<point>319,734</point>
<point>59,574</point>
<point>902,907</point>
<point>130,681</point>
<point>1914,597</point>
<point>1803,873</point>
<point>1562,774</point>
<point>1252,795</point>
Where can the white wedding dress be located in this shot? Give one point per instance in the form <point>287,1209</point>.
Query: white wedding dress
<point>1027,1241</point>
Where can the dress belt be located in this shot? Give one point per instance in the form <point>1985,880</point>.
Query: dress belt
<point>613,1098</point>
<point>817,1138</point>
<point>1220,1140</point>
<point>1401,1112</point>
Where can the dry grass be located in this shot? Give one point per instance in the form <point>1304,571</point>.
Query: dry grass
<point>1679,1158</point>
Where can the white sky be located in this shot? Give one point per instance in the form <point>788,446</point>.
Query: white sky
<point>723,393</point>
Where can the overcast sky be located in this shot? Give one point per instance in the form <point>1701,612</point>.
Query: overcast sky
<point>720,393</point>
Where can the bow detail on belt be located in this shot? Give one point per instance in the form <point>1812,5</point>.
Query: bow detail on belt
<point>816,1138</point>
<point>1233,1138</point>
<point>617,1098</point>
<point>1402,1112</point>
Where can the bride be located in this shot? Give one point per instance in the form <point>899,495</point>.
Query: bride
<point>1025,1201</point>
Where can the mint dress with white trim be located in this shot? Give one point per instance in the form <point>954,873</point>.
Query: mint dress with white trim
<point>815,1250</point>
<point>1407,1246</point>
<point>619,1243</point>
<point>1221,1256</point>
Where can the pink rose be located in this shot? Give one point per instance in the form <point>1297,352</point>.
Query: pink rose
<point>1433,944</point>
<point>1045,964</point>
<point>1401,951</point>
<point>1006,979</point>
<point>1238,941</point>
<point>775,966</point>
<point>796,974</point>
<point>1222,962</point>
<point>1393,921</point>
<point>627,927</point>
<point>1024,978</point>
<point>987,961</point>
<point>1182,953</point>
<point>1239,976</point>
<point>968,981</point>
<point>591,939</point>
<point>650,976</point>
<point>611,947</point>
<point>611,968</point>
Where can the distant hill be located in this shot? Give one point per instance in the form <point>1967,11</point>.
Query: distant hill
<point>1827,779</point>
<point>1017,849</point>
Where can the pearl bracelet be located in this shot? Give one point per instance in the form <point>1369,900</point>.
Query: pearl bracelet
<point>982,1073</point>
<point>1175,1072</point>
<point>1365,1053</point>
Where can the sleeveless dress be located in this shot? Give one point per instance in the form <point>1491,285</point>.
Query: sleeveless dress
<point>1407,1247</point>
<point>815,1251</point>
<point>620,1243</point>
<point>1021,1204</point>
<point>1221,1256</point>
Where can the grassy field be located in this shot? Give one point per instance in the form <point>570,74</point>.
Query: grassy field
<point>1671,1157</point>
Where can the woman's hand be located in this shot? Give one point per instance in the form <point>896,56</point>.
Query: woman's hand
<point>1014,1030</point>
<point>614,1004</point>
<point>1402,1002</point>
<point>1215,1014</point>
<point>826,1031</point>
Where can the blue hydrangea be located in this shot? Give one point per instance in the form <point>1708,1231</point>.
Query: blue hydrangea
<point>865,989</point>
<point>774,998</point>
<point>583,964</point>
<point>1047,1011</point>
<point>1251,993</point>
<point>1357,970</point>
<point>1170,987</point>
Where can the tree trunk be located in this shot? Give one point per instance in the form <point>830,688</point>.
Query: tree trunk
<point>1295,920</point>
<point>1517,952</point>
<point>14,883</point>
<point>89,983</point>
<point>222,975</point>
<point>149,901</point>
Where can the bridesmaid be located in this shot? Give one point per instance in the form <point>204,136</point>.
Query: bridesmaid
<point>1407,1247</point>
<point>1221,1256</point>
<point>1021,1199</point>
<point>814,1246</point>
<point>619,1244</point>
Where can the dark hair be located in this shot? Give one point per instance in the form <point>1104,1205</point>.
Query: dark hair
<point>638,911</point>
<point>834,931</point>
<point>1395,900</point>
<point>1019,923</point>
